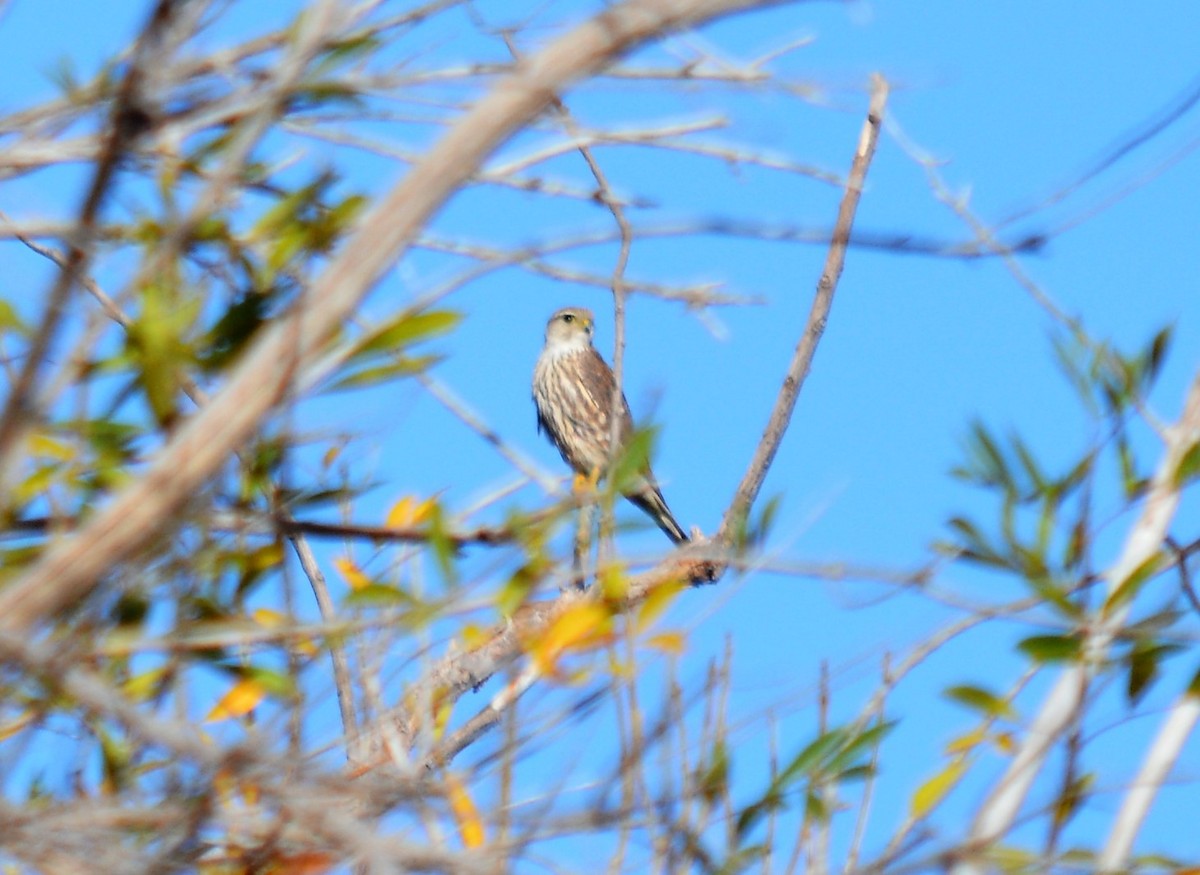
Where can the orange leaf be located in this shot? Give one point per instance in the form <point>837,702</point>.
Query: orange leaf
<point>242,698</point>
<point>351,572</point>
<point>466,815</point>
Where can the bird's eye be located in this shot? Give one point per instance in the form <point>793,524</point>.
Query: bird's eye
<point>568,317</point>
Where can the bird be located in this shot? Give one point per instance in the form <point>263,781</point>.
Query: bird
<point>573,390</point>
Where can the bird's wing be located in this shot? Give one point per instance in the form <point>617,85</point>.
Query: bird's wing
<point>599,382</point>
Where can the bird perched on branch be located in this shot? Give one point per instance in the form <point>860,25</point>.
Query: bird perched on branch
<point>573,388</point>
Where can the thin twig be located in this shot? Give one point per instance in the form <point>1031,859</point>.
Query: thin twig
<point>785,403</point>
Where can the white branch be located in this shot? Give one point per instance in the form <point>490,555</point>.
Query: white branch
<point>998,811</point>
<point>1159,759</point>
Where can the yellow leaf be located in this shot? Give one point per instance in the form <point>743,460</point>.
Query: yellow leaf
<point>331,455</point>
<point>351,572</point>
<point>579,626</point>
<point>967,742</point>
<point>656,603</point>
<point>141,686</point>
<point>673,643</point>
<point>474,636</point>
<point>466,815</point>
<point>614,582</point>
<point>266,557</point>
<point>37,482</point>
<point>443,707</point>
<point>932,792</point>
<point>45,447</point>
<point>242,698</point>
<point>408,512</point>
<point>268,619</point>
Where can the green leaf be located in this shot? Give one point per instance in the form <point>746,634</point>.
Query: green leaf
<point>1067,805</point>
<point>1032,471</point>
<point>1189,466</point>
<point>229,336</point>
<point>371,376</point>
<point>1076,545</point>
<point>276,683</point>
<point>981,700</point>
<point>857,745</point>
<point>816,752</point>
<point>1156,354</point>
<point>405,329</point>
<point>10,320</point>
<point>713,779</point>
<point>1125,590</point>
<point>1052,648</point>
<point>633,462</point>
<point>1143,668</point>
<point>993,469</point>
<point>377,595</point>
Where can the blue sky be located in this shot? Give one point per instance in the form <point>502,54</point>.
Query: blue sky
<point>1018,99</point>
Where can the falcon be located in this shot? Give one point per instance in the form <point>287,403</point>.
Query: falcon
<point>573,390</point>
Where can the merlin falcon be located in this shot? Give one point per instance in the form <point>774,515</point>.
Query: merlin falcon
<point>573,389</point>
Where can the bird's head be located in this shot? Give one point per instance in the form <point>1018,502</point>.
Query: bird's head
<point>570,327</point>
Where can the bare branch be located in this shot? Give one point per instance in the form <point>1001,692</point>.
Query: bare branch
<point>263,379</point>
<point>814,327</point>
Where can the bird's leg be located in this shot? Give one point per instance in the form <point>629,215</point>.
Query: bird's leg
<point>584,486</point>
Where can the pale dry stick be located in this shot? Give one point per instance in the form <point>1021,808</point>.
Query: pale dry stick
<point>772,732</point>
<point>743,228</point>
<point>826,793</point>
<point>483,720</point>
<point>1163,118</point>
<point>1136,184</point>
<point>736,156</point>
<point>785,403</point>
<point>532,259</point>
<point>531,184</point>
<point>264,377</point>
<point>998,811</point>
<point>580,139</point>
<point>343,683</point>
<point>868,793</point>
<point>1162,754</point>
<point>983,234</point>
<point>472,420</point>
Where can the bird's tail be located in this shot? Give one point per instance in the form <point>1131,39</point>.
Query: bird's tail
<point>651,500</point>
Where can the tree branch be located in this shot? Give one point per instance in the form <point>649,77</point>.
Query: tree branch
<point>785,403</point>
<point>264,378</point>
